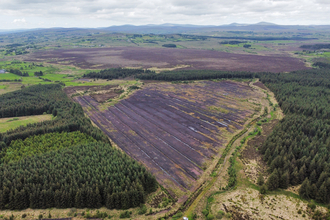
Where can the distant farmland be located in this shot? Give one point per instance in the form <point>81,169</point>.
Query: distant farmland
<point>175,129</point>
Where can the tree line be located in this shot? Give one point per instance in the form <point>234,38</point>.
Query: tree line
<point>182,75</point>
<point>91,175</point>
<point>116,73</point>
<point>321,65</point>
<point>18,72</point>
<point>315,46</point>
<point>232,42</point>
<point>169,45</point>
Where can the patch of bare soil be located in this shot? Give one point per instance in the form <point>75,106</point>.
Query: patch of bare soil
<point>102,97</point>
<point>158,199</point>
<point>252,158</point>
<point>260,85</point>
<point>98,58</point>
<point>150,81</point>
<point>266,130</point>
<point>74,89</point>
<point>294,189</point>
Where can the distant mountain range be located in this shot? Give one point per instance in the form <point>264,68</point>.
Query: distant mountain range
<point>188,28</point>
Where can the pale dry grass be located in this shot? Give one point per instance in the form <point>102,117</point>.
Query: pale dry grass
<point>6,87</point>
<point>158,69</point>
<point>252,203</point>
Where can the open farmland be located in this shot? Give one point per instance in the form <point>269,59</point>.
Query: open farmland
<point>176,129</point>
<point>99,58</point>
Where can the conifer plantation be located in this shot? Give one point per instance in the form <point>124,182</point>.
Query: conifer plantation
<point>181,75</point>
<point>85,176</point>
<point>39,144</point>
<point>116,73</point>
<point>298,149</point>
<point>64,162</point>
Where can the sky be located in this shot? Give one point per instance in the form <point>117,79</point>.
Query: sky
<point>19,14</point>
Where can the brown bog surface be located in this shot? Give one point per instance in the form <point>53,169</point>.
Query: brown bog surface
<point>166,58</point>
<point>175,129</point>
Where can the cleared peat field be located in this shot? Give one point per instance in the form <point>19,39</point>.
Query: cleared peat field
<point>101,58</point>
<point>175,129</point>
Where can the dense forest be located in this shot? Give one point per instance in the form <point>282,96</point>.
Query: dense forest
<point>178,75</point>
<point>169,45</point>
<point>91,175</point>
<point>35,100</point>
<point>315,46</point>
<point>297,151</point>
<point>322,65</point>
<point>116,73</point>
<point>39,144</point>
<point>182,75</point>
<point>233,42</point>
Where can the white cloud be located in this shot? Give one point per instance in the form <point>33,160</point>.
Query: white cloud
<point>19,20</point>
<point>97,13</point>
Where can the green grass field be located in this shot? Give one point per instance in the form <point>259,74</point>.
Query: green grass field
<point>12,123</point>
<point>54,73</point>
<point>9,76</point>
<point>27,67</point>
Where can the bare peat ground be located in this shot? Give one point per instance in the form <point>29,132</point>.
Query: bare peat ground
<point>260,85</point>
<point>74,89</point>
<point>175,129</point>
<point>98,58</point>
<point>252,157</point>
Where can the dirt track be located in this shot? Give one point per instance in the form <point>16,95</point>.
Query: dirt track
<point>99,58</point>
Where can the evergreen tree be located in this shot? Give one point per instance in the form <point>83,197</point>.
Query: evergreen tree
<point>260,180</point>
<point>273,181</point>
<point>304,190</point>
<point>313,177</point>
<point>323,194</point>
<point>284,180</point>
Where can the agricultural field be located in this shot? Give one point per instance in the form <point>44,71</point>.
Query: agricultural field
<point>314,55</point>
<point>176,129</point>
<point>114,57</point>
<point>66,75</point>
<point>9,76</point>
<point>14,122</point>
